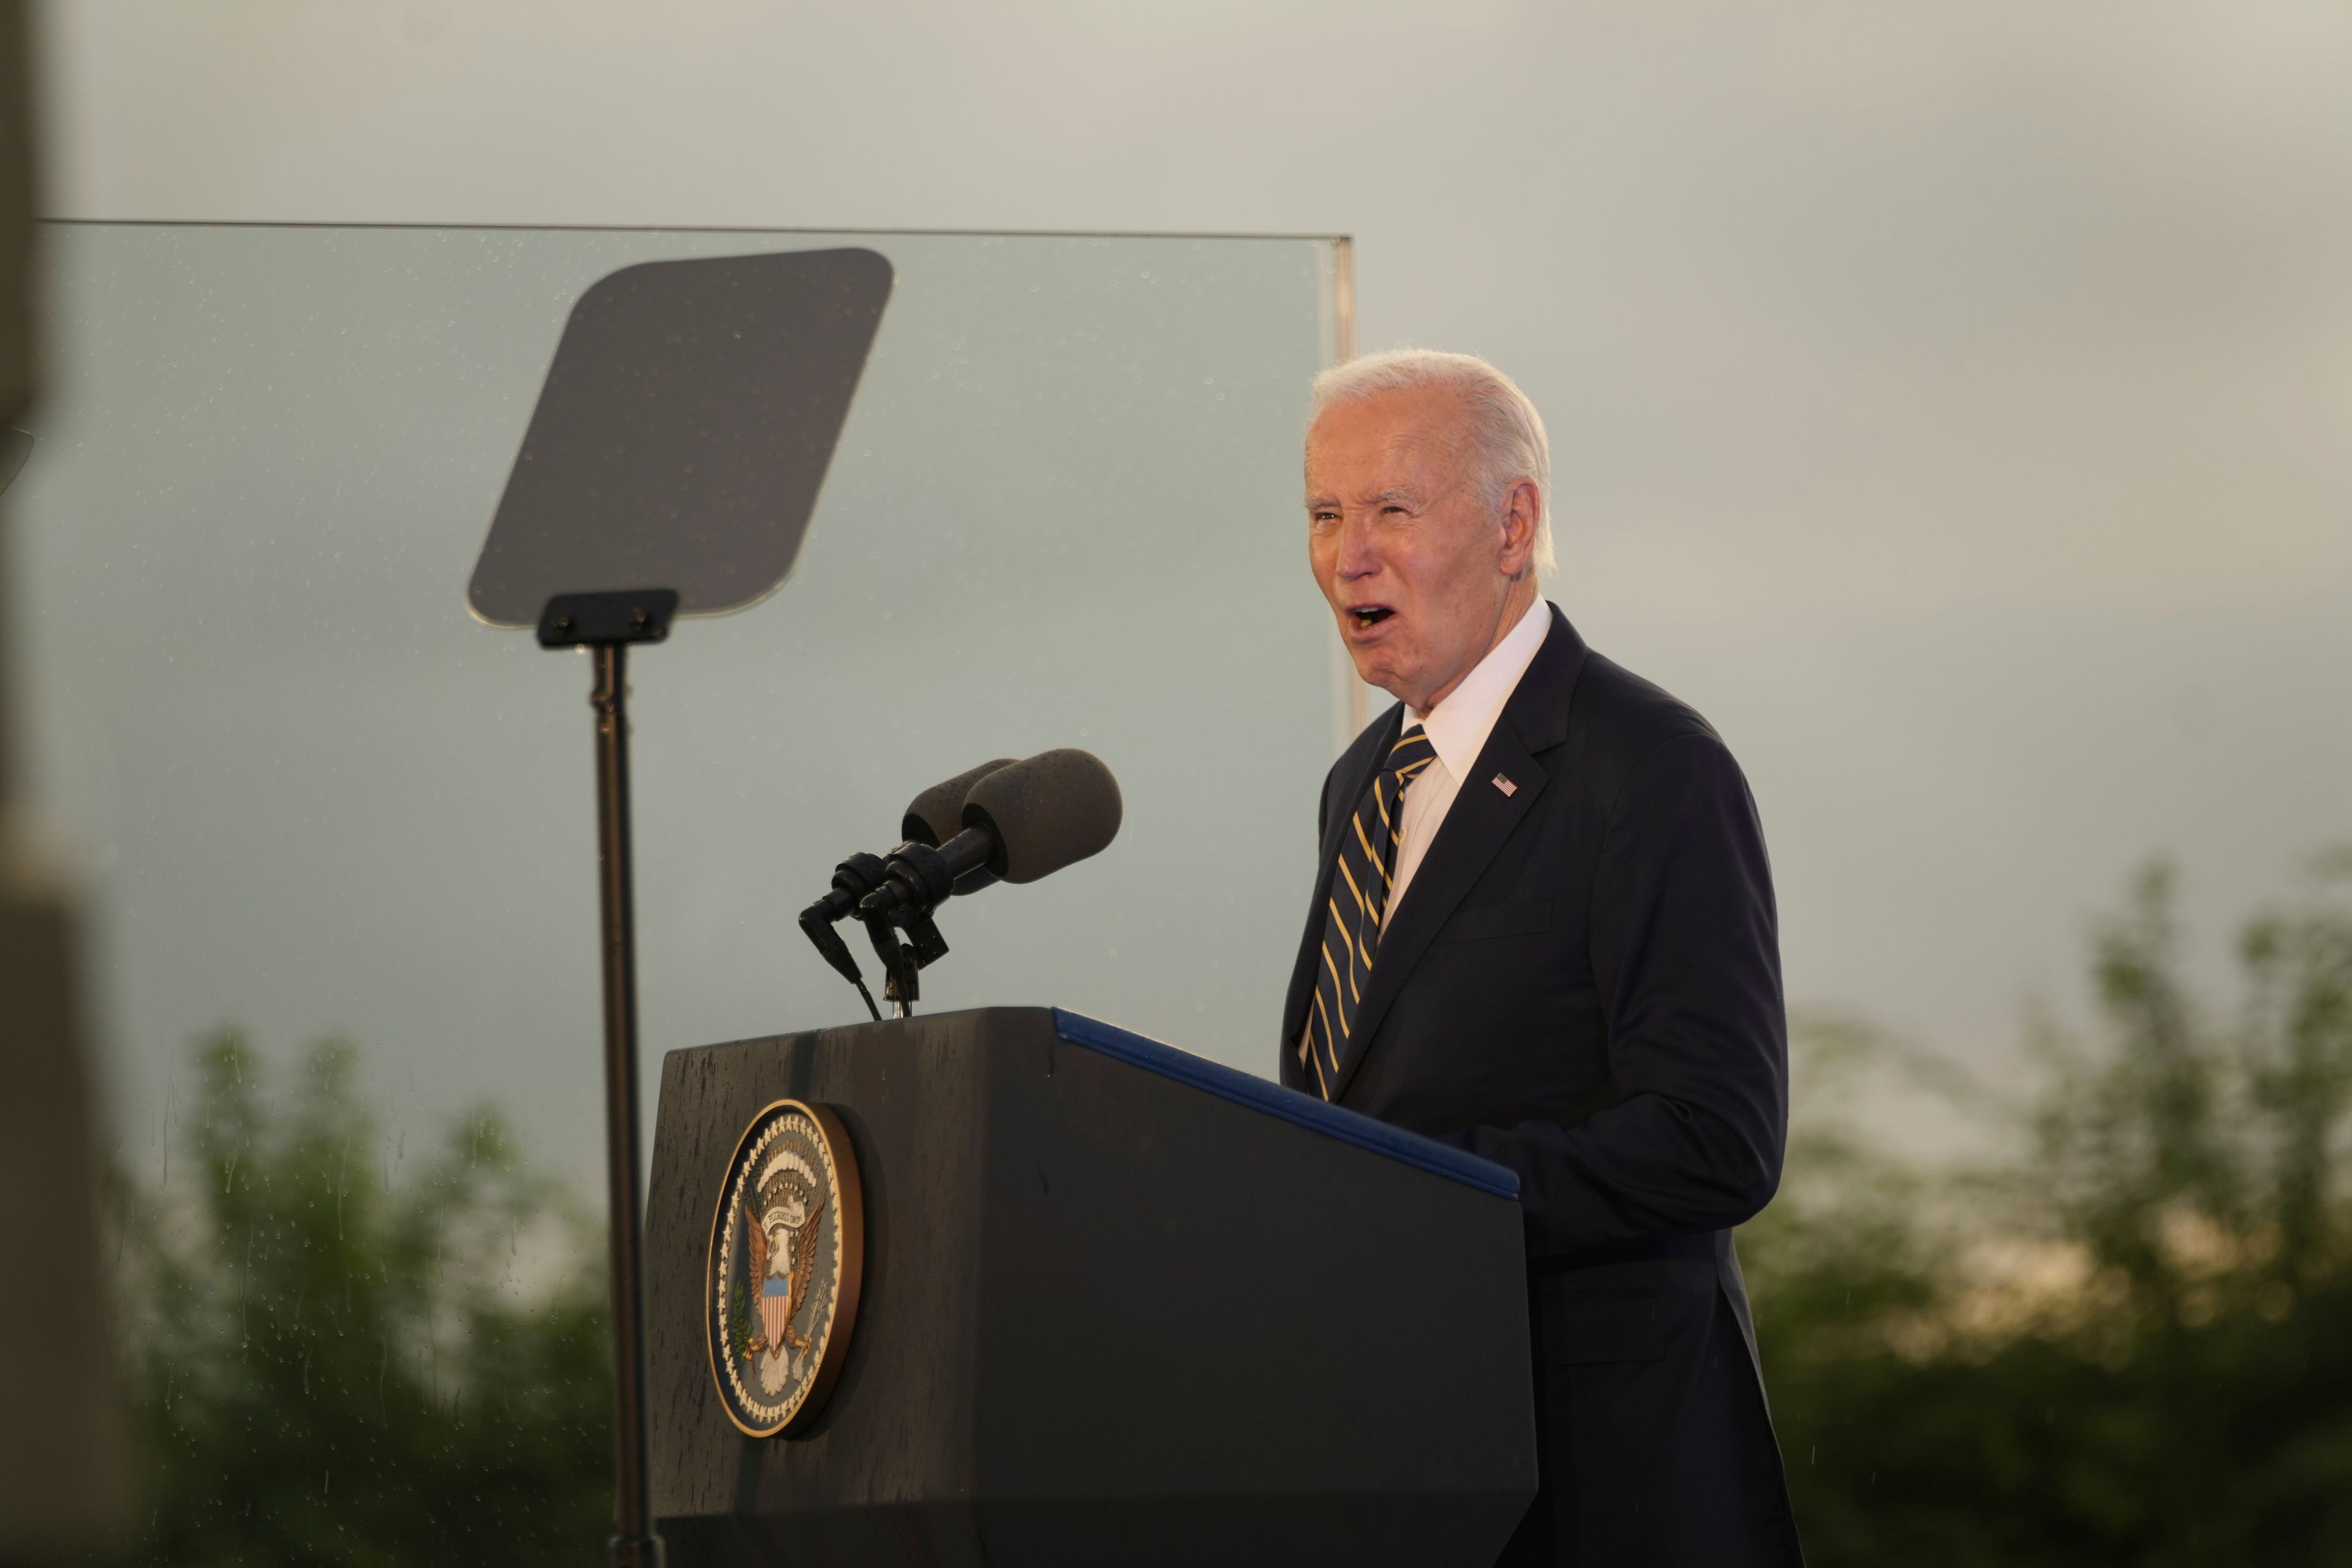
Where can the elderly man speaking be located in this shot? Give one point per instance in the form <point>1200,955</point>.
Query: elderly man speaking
<point>1543,929</point>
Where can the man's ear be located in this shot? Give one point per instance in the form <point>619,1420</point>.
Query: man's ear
<point>1522,509</point>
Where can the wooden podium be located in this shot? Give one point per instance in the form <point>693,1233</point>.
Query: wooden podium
<point>1118,1305</point>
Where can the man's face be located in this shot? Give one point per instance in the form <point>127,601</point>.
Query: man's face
<point>1419,569</point>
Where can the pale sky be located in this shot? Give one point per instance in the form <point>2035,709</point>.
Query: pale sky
<point>1951,402</point>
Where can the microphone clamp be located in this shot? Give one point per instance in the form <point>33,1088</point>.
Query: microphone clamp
<point>918,878</point>
<point>853,879</point>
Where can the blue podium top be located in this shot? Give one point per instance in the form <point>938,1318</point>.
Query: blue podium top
<point>1303,1109</point>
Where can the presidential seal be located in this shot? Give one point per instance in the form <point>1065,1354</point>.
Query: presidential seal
<point>787,1249</point>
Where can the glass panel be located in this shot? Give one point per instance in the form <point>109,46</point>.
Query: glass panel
<point>317,798</point>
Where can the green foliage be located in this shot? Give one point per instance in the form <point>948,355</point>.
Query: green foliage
<point>2133,1343</point>
<point>338,1366</point>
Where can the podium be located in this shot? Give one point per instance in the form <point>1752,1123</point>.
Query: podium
<point>1117,1304</point>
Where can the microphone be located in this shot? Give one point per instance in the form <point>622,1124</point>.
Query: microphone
<point>861,874</point>
<point>1020,823</point>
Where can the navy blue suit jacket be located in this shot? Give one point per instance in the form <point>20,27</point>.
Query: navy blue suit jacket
<point>1582,982</point>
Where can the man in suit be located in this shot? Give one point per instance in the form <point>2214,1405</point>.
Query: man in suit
<point>1543,929</point>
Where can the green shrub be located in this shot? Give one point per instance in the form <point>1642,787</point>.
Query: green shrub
<point>2130,1343</point>
<point>338,1363</point>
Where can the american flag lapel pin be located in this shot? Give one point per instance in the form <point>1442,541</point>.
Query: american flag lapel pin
<point>1506,785</point>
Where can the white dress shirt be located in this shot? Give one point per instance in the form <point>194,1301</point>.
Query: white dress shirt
<point>1457,729</point>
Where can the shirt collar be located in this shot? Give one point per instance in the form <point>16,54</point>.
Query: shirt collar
<point>1458,726</point>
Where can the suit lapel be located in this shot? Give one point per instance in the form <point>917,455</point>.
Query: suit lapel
<point>1481,819</point>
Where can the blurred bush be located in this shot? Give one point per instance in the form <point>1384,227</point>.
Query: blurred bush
<point>2127,1339</point>
<point>338,1365</point>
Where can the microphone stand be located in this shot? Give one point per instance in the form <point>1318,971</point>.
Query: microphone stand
<point>606,623</point>
<point>902,961</point>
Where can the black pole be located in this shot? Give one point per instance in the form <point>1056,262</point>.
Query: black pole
<point>634,1545</point>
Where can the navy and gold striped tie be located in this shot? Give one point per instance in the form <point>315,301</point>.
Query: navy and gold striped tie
<point>1360,896</point>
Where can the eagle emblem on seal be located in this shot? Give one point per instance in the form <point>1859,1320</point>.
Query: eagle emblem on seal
<point>787,1249</point>
<point>780,1239</point>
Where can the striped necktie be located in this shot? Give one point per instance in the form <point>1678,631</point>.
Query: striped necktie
<point>1360,896</point>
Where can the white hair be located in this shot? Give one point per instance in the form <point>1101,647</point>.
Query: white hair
<point>1506,434</point>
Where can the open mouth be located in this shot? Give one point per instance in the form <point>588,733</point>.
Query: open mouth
<point>1363,618</point>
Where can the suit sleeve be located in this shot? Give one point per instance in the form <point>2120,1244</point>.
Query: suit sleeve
<point>1685,956</point>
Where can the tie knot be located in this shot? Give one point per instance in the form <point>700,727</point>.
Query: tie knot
<point>1410,753</point>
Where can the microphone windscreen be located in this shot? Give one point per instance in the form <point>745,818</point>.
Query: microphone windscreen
<point>936,816</point>
<point>1047,812</point>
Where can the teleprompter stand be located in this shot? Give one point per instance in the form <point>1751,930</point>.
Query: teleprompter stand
<point>670,468</point>
<point>605,625</point>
